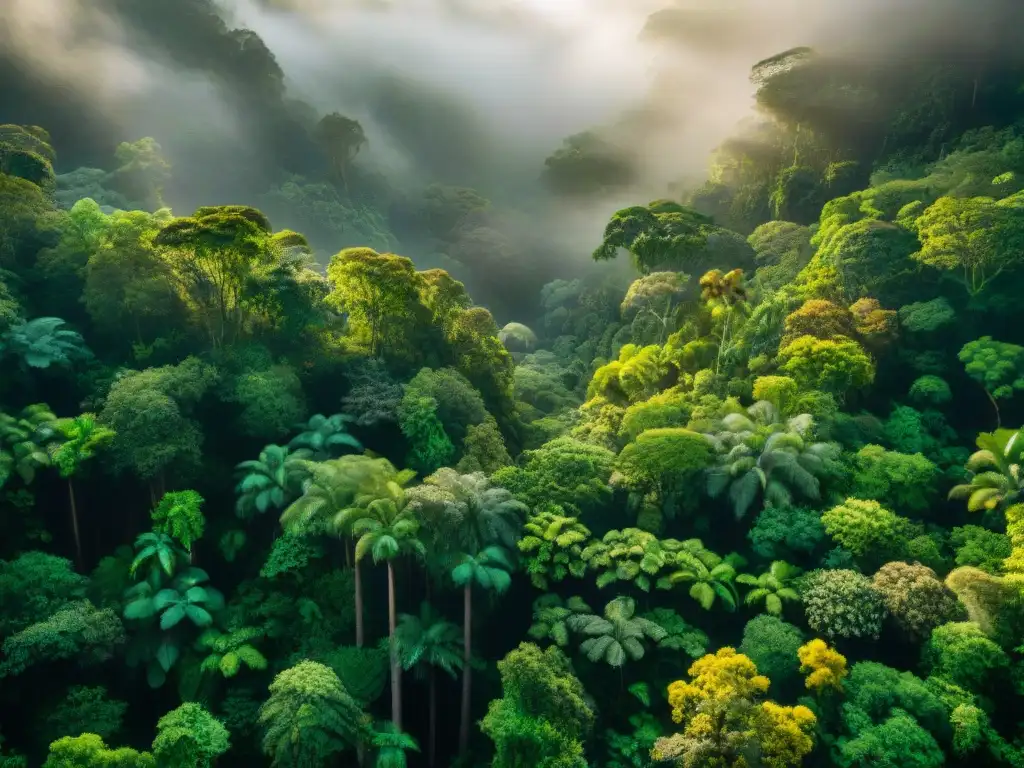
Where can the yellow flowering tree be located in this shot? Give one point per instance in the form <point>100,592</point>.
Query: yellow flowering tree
<point>825,667</point>
<point>724,722</point>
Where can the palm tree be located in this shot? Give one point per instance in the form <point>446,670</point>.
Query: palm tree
<point>385,527</point>
<point>160,551</point>
<point>762,456</point>
<point>771,587</point>
<point>997,471</point>
<point>392,745</point>
<point>325,437</point>
<point>83,436</point>
<point>491,569</point>
<point>480,514</point>
<point>331,488</point>
<point>618,635</point>
<point>270,482</point>
<point>427,643</point>
<point>43,342</point>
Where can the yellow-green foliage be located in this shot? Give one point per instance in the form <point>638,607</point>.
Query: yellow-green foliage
<point>834,365</point>
<point>552,546</point>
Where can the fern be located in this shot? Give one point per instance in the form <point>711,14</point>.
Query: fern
<point>229,652</point>
<point>630,555</point>
<point>552,546</point>
<point>618,635</point>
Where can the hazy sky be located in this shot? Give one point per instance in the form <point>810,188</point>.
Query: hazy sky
<point>495,84</point>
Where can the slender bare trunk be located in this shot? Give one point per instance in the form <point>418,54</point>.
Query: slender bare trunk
<point>999,418</point>
<point>74,524</point>
<point>467,670</point>
<point>359,605</point>
<point>433,717</point>
<point>396,667</point>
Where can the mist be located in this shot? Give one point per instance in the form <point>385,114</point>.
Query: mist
<point>462,92</point>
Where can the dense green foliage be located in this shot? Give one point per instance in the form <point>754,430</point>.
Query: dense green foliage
<point>752,497</point>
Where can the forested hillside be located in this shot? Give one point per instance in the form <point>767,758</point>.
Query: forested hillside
<point>355,468</point>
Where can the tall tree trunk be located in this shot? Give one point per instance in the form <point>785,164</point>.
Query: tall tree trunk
<point>467,670</point>
<point>433,717</point>
<point>74,524</point>
<point>396,667</point>
<point>359,605</point>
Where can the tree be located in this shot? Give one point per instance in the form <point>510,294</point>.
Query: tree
<point>341,138</point>
<point>78,631</point>
<point>543,715</point>
<point>42,342</point>
<point>89,751</point>
<point>385,526</point>
<point>270,482</point>
<point>824,666</point>
<point>127,283</point>
<point>867,529</point>
<point>551,617</point>
<point>150,413</point>
<point>392,745</point>
<point>82,437</point>
<point>976,239</point>
<point>429,642</point>
<point>901,480</point>
<point>489,568</point>
<point>564,471</point>
<point>786,532</point>
<point>653,298</point>
<point>189,737</point>
<point>325,437</point>
<point>897,741</point>
<point>773,645</point>
<point>215,256</point>
<point>334,487</point>
<point>179,515</point>
<point>915,598</point>
<point>762,456</point>
<point>142,173</point>
<point>723,719</point>
<point>997,366</point>
<point>478,513</point>
<point>85,709</point>
<point>630,556</point>
<point>664,462</point>
<point>834,365</point>
<point>962,653</point>
<point>310,716</point>
<point>380,293</point>
<point>666,235</point>
<point>187,597</point>
<point>842,603</point>
<point>616,636</point>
